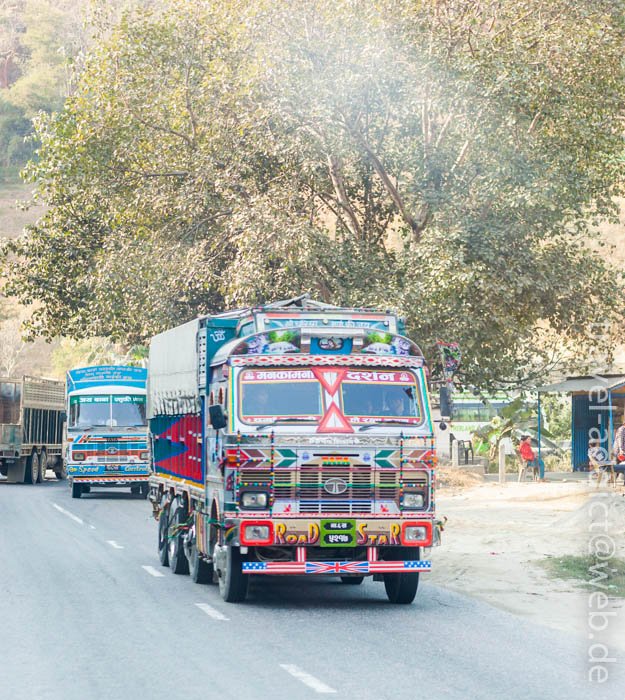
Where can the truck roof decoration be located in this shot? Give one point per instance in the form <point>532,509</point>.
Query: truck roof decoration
<point>102,375</point>
<point>320,341</point>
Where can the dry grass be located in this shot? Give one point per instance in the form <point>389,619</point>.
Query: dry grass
<point>448,477</point>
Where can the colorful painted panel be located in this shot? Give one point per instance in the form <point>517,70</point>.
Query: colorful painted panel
<point>178,446</point>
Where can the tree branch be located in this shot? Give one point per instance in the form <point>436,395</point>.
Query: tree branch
<point>336,175</point>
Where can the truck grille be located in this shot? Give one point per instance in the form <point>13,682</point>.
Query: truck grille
<point>363,485</point>
<point>355,490</point>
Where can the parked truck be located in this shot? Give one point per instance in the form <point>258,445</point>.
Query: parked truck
<point>106,440</point>
<point>31,428</point>
<point>293,438</point>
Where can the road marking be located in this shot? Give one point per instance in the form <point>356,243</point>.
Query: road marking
<point>152,571</point>
<point>114,544</point>
<point>69,515</point>
<point>212,612</point>
<point>312,682</point>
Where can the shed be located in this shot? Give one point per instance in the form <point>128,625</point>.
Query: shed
<point>597,408</point>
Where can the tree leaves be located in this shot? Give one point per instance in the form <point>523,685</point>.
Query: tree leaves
<point>438,158</point>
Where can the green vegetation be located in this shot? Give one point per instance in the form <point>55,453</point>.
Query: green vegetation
<point>607,576</point>
<point>445,158</point>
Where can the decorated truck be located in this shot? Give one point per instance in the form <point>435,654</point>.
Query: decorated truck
<point>106,440</point>
<point>293,438</point>
<point>31,428</point>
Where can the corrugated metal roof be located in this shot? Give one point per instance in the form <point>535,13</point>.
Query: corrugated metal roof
<point>586,384</point>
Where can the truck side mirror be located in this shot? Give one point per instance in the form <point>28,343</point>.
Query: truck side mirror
<point>445,402</point>
<point>217,417</point>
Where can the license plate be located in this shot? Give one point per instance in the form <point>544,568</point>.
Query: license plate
<point>337,533</point>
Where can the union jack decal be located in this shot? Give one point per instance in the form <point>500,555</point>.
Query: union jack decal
<point>335,567</point>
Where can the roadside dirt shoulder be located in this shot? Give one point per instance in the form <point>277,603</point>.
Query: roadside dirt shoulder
<point>496,536</point>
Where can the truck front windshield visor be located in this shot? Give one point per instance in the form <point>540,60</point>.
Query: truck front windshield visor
<point>106,411</point>
<point>361,396</point>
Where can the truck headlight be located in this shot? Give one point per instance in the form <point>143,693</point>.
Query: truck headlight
<point>144,455</point>
<point>415,533</point>
<point>413,500</point>
<point>254,499</point>
<point>78,456</point>
<point>256,533</point>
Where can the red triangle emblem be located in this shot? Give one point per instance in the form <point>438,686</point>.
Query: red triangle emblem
<point>334,422</point>
<point>330,378</point>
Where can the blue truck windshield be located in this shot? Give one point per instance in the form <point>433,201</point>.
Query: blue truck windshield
<point>106,411</point>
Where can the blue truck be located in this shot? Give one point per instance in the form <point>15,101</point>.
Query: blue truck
<point>106,441</point>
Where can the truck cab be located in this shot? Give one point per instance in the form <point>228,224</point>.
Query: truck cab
<point>106,430</point>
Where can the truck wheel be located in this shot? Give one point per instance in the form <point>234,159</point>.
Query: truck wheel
<point>32,469</point>
<point>76,490</point>
<point>352,580</point>
<point>178,562</point>
<point>59,470</point>
<point>401,588</point>
<point>162,534</point>
<point>43,467</point>
<point>232,581</point>
<point>200,570</point>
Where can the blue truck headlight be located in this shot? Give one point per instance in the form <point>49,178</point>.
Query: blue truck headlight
<point>254,499</point>
<point>413,500</point>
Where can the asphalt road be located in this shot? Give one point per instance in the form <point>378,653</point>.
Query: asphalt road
<point>82,618</point>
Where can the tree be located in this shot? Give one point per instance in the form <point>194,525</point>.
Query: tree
<point>442,158</point>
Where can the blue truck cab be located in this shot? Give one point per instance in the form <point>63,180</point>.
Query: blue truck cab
<point>106,430</point>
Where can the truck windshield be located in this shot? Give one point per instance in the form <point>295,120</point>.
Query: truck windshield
<point>361,396</point>
<point>105,410</point>
<point>10,396</point>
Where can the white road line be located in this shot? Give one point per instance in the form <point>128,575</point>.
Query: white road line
<point>152,571</point>
<point>114,544</point>
<point>212,612</point>
<point>312,682</point>
<point>69,515</point>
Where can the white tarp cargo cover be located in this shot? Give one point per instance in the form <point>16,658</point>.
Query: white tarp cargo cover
<point>172,372</point>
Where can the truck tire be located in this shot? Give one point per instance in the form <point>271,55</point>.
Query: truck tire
<point>178,561</point>
<point>43,467</point>
<point>76,490</point>
<point>59,469</point>
<point>31,475</point>
<point>401,588</point>
<point>163,526</point>
<point>352,580</point>
<point>200,570</point>
<point>233,583</point>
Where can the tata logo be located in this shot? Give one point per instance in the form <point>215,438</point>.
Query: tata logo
<point>335,486</point>
<point>111,450</point>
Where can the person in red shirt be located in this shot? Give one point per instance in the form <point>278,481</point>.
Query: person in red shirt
<point>525,449</point>
<point>528,454</point>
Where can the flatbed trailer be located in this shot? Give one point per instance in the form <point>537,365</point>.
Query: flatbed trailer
<point>31,428</point>
<point>294,438</point>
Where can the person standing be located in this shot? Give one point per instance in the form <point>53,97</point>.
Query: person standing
<point>619,443</point>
